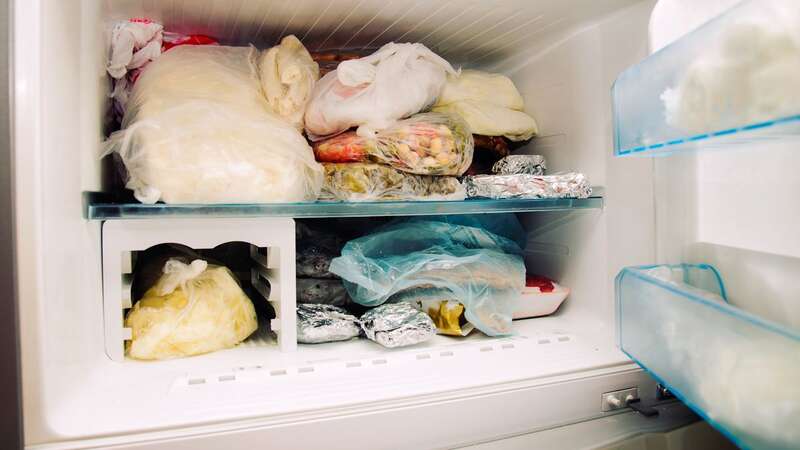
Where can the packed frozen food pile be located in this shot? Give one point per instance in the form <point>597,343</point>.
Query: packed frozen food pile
<point>397,283</point>
<point>201,122</point>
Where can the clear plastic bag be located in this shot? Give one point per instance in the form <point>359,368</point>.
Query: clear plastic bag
<point>425,144</point>
<point>288,75</point>
<point>482,270</point>
<point>192,309</point>
<point>199,130</point>
<point>395,82</point>
<point>359,182</point>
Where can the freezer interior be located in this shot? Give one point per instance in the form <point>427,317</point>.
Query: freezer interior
<point>562,56</point>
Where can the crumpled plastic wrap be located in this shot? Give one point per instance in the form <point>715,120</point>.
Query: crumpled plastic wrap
<point>287,76</point>
<point>563,185</point>
<point>424,144</point>
<point>192,309</point>
<point>514,164</point>
<point>397,325</point>
<point>396,81</point>
<point>325,291</point>
<point>483,270</point>
<point>325,323</point>
<point>366,182</point>
<point>198,129</point>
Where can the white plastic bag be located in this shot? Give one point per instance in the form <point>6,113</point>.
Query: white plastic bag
<point>199,130</point>
<point>133,44</point>
<point>192,309</point>
<point>288,75</point>
<point>395,82</point>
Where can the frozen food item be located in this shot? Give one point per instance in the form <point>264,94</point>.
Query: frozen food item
<point>514,164</point>
<point>288,75</point>
<point>171,40</point>
<point>320,290</point>
<point>354,182</point>
<point>425,144</point>
<point>313,262</point>
<point>325,323</point>
<point>193,308</point>
<point>563,185</point>
<point>488,150</point>
<point>752,75</point>
<point>497,145</point>
<point>493,88</point>
<point>446,312</point>
<point>489,103</point>
<point>397,81</point>
<point>397,325</point>
<point>492,120</point>
<point>541,296</point>
<point>484,271</point>
<point>199,130</point>
<point>133,44</point>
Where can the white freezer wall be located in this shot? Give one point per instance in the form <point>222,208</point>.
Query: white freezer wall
<point>548,47</point>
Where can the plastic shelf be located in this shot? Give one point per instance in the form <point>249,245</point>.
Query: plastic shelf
<point>737,370</point>
<point>735,80</point>
<point>98,209</point>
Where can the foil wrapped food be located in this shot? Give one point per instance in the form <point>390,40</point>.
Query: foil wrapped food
<point>397,325</point>
<point>513,164</point>
<point>320,290</point>
<point>563,185</point>
<point>325,323</point>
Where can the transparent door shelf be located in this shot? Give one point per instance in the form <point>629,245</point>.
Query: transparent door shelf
<point>736,369</point>
<point>734,80</point>
<point>97,209</point>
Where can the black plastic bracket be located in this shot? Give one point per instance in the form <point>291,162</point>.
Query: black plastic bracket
<point>647,411</point>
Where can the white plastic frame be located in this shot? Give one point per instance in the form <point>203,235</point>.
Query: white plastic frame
<point>121,237</point>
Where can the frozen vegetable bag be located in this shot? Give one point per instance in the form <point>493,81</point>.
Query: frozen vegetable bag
<point>198,129</point>
<point>482,270</point>
<point>192,309</point>
<point>425,144</point>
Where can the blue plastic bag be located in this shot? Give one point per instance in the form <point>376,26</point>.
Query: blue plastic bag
<point>484,271</point>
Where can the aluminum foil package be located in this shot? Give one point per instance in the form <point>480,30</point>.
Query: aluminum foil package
<point>397,325</point>
<point>317,290</point>
<point>325,323</point>
<point>563,185</point>
<point>513,164</point>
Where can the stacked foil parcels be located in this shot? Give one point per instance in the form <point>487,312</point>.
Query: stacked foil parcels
<point>522,176</point>
<point>391,325</point>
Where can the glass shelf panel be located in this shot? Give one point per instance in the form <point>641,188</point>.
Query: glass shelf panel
<point>734,80</point>
<point>99,209</point>
<point>737,370</point>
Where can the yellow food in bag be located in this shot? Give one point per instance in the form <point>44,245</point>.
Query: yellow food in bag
<point>193,309</point>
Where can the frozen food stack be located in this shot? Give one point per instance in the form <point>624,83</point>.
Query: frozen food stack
<point>395,152</point>
<point>198,127</point>
<point>455,269</point>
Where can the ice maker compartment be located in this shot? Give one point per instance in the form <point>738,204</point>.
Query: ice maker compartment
<point>736,369</point>
<point>272,262</point>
